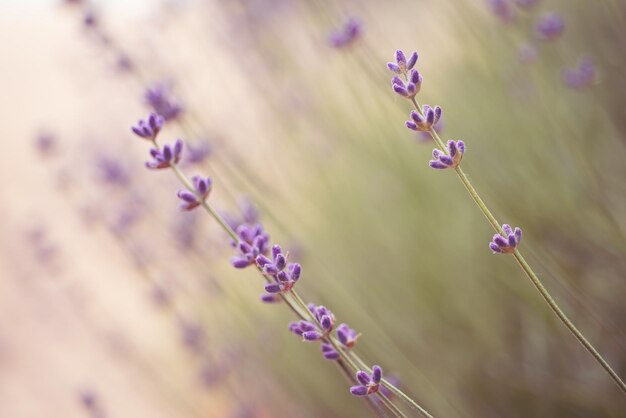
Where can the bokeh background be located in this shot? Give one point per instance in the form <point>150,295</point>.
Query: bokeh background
<point>113,303</point>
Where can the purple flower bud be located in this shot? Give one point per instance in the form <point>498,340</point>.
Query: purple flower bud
<point>455,151</point>
<point>312,335</point>
<point>581,77</point>
<point>363,377</point>
<point>359,390</point>
<point>272,288</point>
<point>508,243</point>
<point>411,62</point>
<point>550,26</point>
<point>166,157</point>
<point>377,374</point>
<point>394,67</point>
<point>270,298</point>
<point>150,127</point>
<point>401,60</point>
<point>329,352</point>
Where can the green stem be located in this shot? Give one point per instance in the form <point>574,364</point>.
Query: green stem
<point>392,407</point>
<point>526,267</point>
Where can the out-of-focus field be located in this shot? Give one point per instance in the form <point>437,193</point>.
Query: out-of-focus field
<point>113,303</point>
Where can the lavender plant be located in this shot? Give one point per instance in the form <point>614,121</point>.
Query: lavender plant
<point>506,240</point>
<point>316,322</point>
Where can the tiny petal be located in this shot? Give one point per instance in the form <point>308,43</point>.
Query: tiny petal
<point>272,288</point>
<point>359,390</point>
<point>412,60</point>
<point>377,374</point>
<point>312,335</point>
<point>394,67</point>
<point>518,235</point>
<point>507,229</point>
<point>437,164</point>
<point>400,58</point>
<point>494,247</point>
<point>363,377</point>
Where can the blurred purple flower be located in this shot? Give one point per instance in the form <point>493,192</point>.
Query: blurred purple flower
<point>112,172</point>
<point>347,35</point>
<point>451,159</point>
<point>369,383</point>
<point>410,88</point>
<point>202,188</point>
<point>193,336</point>
<point>425,120</point>
<point>165,158</point>
<point>507,242</point>
<point>159,97</point>
<point>550,26</point>
<point>502,9</point>
<point>46,143</point>
<point>347,338</point>
<point>197,154</point>
<point>582,76</point>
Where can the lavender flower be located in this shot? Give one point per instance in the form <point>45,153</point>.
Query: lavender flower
<point>202,188</point>
<point>150,127</point>
<point>349,33</point>
<point>507,242</point>
<point>285,275</point>
<point>253,241</point>
<point>455,151</point>
<point>502,9</point>
<point>198,153</point>
<point>170,155</point>
<point>410,88</point>
<point>580,77</point>
<point>346,336</point>
<point>270,298</point>
<point>369,383</point>
<point>159,98</point>
<point>314,332</point>
<point>402,65</point>
<point>550,26</point>
<point>425,120</point>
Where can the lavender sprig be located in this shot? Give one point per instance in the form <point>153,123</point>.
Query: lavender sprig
<point>441,160</point>
<point>506,242</point>
<point>369,382</point>
<point>167,157</point>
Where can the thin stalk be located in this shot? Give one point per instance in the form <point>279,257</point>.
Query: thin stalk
<point>526,267</point>
<point>392,407</point>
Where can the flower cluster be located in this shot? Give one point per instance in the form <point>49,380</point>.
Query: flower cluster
<point>349,33</point>
<point>582,76</point>
<point>369,383</point>
<point>441,160</point>
<point>309,331</point>
<point>160,99</point>
<point>202,188</point>
<point>166,157</point>
<point>253,241</point>
<point>411,87</point>
<point>506,243</point>
<point>424,121</point>
<point>149,128</point>
<point>502,10</point>
<point>550,26</point>
<point>346,336</point>
<point>285,275</point>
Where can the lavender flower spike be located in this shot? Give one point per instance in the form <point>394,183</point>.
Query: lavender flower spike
<point>550,26</point>
<point>507,242</point>
<point>452,159</point>
<point>253,240</point>
<point>285,275</point>
<point>410,88</point>
<point>402,65</point>
<point>150,127</point>
<point>347,336</point>
<point>309,331</point>
<point>169,156</point>
<point>425,120</point>
<point>369,383</point>
<point>191,200</point>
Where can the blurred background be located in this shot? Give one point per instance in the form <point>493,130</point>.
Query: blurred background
<point>114,303</point>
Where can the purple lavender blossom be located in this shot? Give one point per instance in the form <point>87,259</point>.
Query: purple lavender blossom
<point>46,143</point>
<point>149,128</point>
<point>347,338</point>
<point>160,99</point>
<point>402,65</point>
<point>550,26</point>
<point>165,158</point>
<point>451,158</point>
<point>285,275</point>
<point>581,77</point>
<point>349,34</point>
<point>425,120</point>
<point>507,242</point>
<point>111,171</point>
<point>253,241</point>
<point>502,10</point>
<point>410,88</point>
<point>369,383</point>
<point>197,154</point>
<point>325,321</point>
<point>202,188</point>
